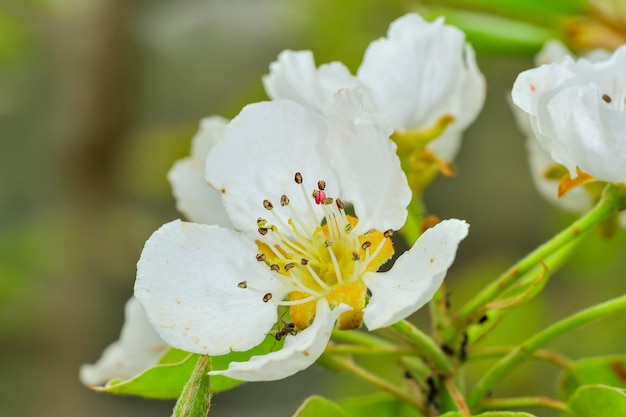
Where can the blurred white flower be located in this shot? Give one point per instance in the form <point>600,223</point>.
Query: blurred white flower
<point>420,74</point>
<point>138,348</point>
<point>546,173</point>
<point>577,113</point>
<point>194,197</point>
<point>212,289</point>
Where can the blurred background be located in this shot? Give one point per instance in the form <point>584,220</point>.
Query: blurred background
<point>99,97</point>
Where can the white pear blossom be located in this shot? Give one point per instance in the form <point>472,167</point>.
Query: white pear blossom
<point>420,73</point>
<point>577,111</point>
<point>287,174</point>
<point>546,173</point>
<point>138,348</point>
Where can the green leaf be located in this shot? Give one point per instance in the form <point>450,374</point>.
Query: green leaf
<point>495,34</point>
<point>606,370</point>
<point>528,9</point>
<point>598,401</point>
<point>491,414</point>
<point>167,379</point>
<point>316,406</point>
<point>379,404</point>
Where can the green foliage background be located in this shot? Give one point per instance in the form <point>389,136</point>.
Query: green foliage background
<point>98,99</point>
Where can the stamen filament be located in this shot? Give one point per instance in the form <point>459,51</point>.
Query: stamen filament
<point>335,265</point>
<point>297,302</point>
<point>309,206</point>
<point>317,278</point>
<point>369,257</point>
<point>302,287</point>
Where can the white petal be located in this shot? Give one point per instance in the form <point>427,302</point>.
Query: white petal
<point>262,149</point>
<point>198,201</point>
<point>446,146</point>
<point>415,277</point>
<point>594,137</point>
<point>294,76</point>
<point>138,348</point>
<point>366,162</point>
<point>210,132</point>
<point>418,63</point>
<point>571,118</point>
<point>552,51</point>
<point>187,281</point>
<point>576,200</point>
<point>298,353</point>
<point>532,90</point>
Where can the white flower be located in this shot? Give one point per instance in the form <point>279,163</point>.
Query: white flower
<point>138,348</point>
<point>546,173</point>
<point>420,73</point>
<point>577,111</point>
<point>212,290</point>
<point>194,198</point>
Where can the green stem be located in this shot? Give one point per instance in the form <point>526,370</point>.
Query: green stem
<point>524,350</point>
<point>427,347</point>
<point>367,350</point>
<point>336,363</point>
<point>610,202</point>
<point>360,338</point>
<point>524,402</point>
<point>412,227</point>
<point>457,397</point>
<point>555,358</point>
<point>195,400</point>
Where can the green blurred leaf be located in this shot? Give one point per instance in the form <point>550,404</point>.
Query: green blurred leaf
<point>379,404</point>
<point>491,414</point>
<point>607,370</point>
<point>13,38</point>
<point>316,406</point>
<point>167,379</point>
<point>598,401</point>
<point>529,9</point>
<point>495,34</point>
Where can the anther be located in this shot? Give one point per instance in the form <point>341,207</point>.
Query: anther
<point>321,185</point>
<point>606,98</point>
<point>366,245</point>
<point>284,200</point>
<point>261,222</point>
<point>388,233</point>
<point>289,266</point>
<point>267,205</point>
<point>304,261</point>
<point>263,231</point>
<point>328,201</point>
<point>339,204</point>
<point>327,243</point>
<point>260,257</point>
<point>243,284</point>
<point>275,267</point>
<point>348,228</point>
<point>267,297</point>
<point>355,256</point>
<point>298,178</point>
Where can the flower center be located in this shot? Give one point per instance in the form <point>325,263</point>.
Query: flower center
<point>320,256</point>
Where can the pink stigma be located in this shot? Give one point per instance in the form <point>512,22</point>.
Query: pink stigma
<point>320,197</point>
